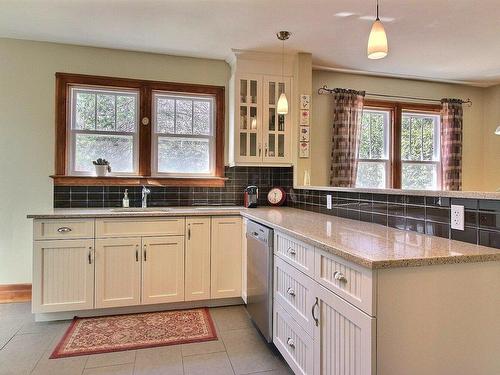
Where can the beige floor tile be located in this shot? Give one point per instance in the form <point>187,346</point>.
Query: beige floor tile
<point>205,364</point>
<point>249,353</point>
<point>159,361</point>
<point>60,366</point>
<point>111,370</point>
<point>8,328</point>
<point>22,353</point>
<point>44,327</point>
<point>110,359</point>
<point>230,318</point>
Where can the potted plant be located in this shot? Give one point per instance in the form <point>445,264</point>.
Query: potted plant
<point>102,167</point>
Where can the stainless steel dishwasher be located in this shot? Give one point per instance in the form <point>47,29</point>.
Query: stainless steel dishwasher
<point>260,277</point>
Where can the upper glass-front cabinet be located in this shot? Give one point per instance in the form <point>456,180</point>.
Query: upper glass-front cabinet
<point>262,135</point>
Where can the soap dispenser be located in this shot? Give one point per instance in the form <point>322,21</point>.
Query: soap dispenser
<point>125,201</point>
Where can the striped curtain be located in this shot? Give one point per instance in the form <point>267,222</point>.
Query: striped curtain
<point>451,143</point>
<point>347,113</point>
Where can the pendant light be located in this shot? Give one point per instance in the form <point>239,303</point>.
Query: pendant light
<point>282,107</point>
<point>377,41</point>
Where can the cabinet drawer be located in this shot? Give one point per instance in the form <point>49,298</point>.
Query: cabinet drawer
<point>353,283</point>
<point>294,292</point>
<point>294,344</point>
<point>52,229</point>
<point>149,226</point>
<point>295,252</point>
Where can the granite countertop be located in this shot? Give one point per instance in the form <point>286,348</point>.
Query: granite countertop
<point>369,245</point>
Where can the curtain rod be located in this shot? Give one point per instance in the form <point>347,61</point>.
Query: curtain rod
<point>326,90</point>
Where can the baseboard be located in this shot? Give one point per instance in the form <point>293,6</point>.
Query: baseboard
<point>65,315</point>
<point>15,293</point>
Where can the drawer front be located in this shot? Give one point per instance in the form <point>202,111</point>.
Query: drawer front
<point>52,229</point>
<point>294,344</point>
<point>353,283</point>
<point>150,226</point>
<point>295,252</point>
<point>294,292</point>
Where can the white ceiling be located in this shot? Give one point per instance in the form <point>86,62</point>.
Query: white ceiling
<point>437,39</point>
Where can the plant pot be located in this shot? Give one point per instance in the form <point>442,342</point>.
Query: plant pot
<point>101,170</point>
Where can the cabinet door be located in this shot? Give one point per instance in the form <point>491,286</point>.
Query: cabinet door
<point>162,269</point>
<point>226,257</point>
<point>197,259</point>
<point>344,339</point>
<point>118,272</point>
<point>248,119</point>
<point>63,275</point>
<point>276,132</point>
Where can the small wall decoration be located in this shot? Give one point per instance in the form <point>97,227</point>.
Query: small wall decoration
<point>304,134</point>
<point>304,117</point>
<point>303,149</point>
<point>305,101</point>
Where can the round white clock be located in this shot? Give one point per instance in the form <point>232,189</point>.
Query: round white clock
<point>276,196</point>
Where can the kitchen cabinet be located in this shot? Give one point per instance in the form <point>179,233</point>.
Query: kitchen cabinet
<point>118,272</point>
<point>63,275</point>
<point>197,259</point>
<point>162,269</point>
<point>226,257</point>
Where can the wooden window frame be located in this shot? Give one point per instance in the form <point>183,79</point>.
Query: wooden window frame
<point>396,109</point>
<point>145,87</point>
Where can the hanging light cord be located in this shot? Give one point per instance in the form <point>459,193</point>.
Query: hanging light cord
<point>378,19</point>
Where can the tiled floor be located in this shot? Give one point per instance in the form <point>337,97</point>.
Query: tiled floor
<point>25,347</point>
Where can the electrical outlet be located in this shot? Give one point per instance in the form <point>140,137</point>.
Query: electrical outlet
<point>457,217</point>
<point>328,202</point>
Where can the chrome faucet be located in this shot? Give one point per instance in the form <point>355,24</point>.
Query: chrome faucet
<point>145,192</point>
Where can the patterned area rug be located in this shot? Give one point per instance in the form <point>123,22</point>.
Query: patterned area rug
<point>135,331</point>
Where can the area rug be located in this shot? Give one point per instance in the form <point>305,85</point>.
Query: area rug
<point>135,331</point>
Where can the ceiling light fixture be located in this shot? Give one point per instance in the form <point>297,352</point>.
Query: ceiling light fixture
<point>282,107</point>
<point>377,41</point>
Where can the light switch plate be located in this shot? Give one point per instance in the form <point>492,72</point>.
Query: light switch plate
<point>457,217</point>
<point>328,202</point>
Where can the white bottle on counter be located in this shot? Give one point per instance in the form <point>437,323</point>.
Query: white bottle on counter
<point>125,201</point>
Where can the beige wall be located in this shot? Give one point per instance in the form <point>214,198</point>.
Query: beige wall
<point>491,142</point>
<point>477,133</point>
<point>27,125</point>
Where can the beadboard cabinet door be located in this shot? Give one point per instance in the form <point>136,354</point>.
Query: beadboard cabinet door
<point>197,278</point>
<point>226,257</point>
<point>63,275</point>
<point>118,272</point>
<point>162,269</point>
<point>344,338</point>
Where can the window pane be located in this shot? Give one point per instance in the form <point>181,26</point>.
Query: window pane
<point>419,136</point>
<point>118,150</point>
<point>183,116</point>
<point>105,112</point>
<point>183,155</point>
<point>84,111</point>
<point>428,139</point>
<point>405,138</point>
<point>419,176</point>
<point>377,135</point>
<point>364,142</point>
<point>125,113</point>
<point>371,175</point>
<point>374,132</point>
<point>416,138</point>
<point>165,115</point>
<point>201,117</point>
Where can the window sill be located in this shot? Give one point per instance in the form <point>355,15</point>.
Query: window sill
<point>138,180</point>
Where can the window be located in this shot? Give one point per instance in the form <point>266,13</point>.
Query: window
<point>103,124</point>
<point>420,151</point>
<point>184,138</point>
<point>169,132</point>
<point>373,163</point>
<point>399,146</point>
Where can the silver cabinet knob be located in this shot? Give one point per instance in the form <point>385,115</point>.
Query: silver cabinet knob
<point>291,251</point>
<point>290,342</point>
<point>339,276</point>
<point>291,292</point>
<point>64,229</point>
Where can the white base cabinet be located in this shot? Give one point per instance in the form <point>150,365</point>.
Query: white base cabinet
<point>197,259</point>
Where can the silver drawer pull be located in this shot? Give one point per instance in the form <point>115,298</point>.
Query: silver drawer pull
<point>291,292</point>
<point>290,342</point>
<point>64,229</point>
<point>291,251</point>
<point>339,276</point>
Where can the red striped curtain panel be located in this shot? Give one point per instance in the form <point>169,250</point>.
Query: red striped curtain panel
<point>451,143</point>
<point>347,114</point>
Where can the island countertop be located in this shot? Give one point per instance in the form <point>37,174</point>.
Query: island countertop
<point>370,245</point>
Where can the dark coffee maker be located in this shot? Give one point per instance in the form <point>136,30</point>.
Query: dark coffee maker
<point>251,196</point>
